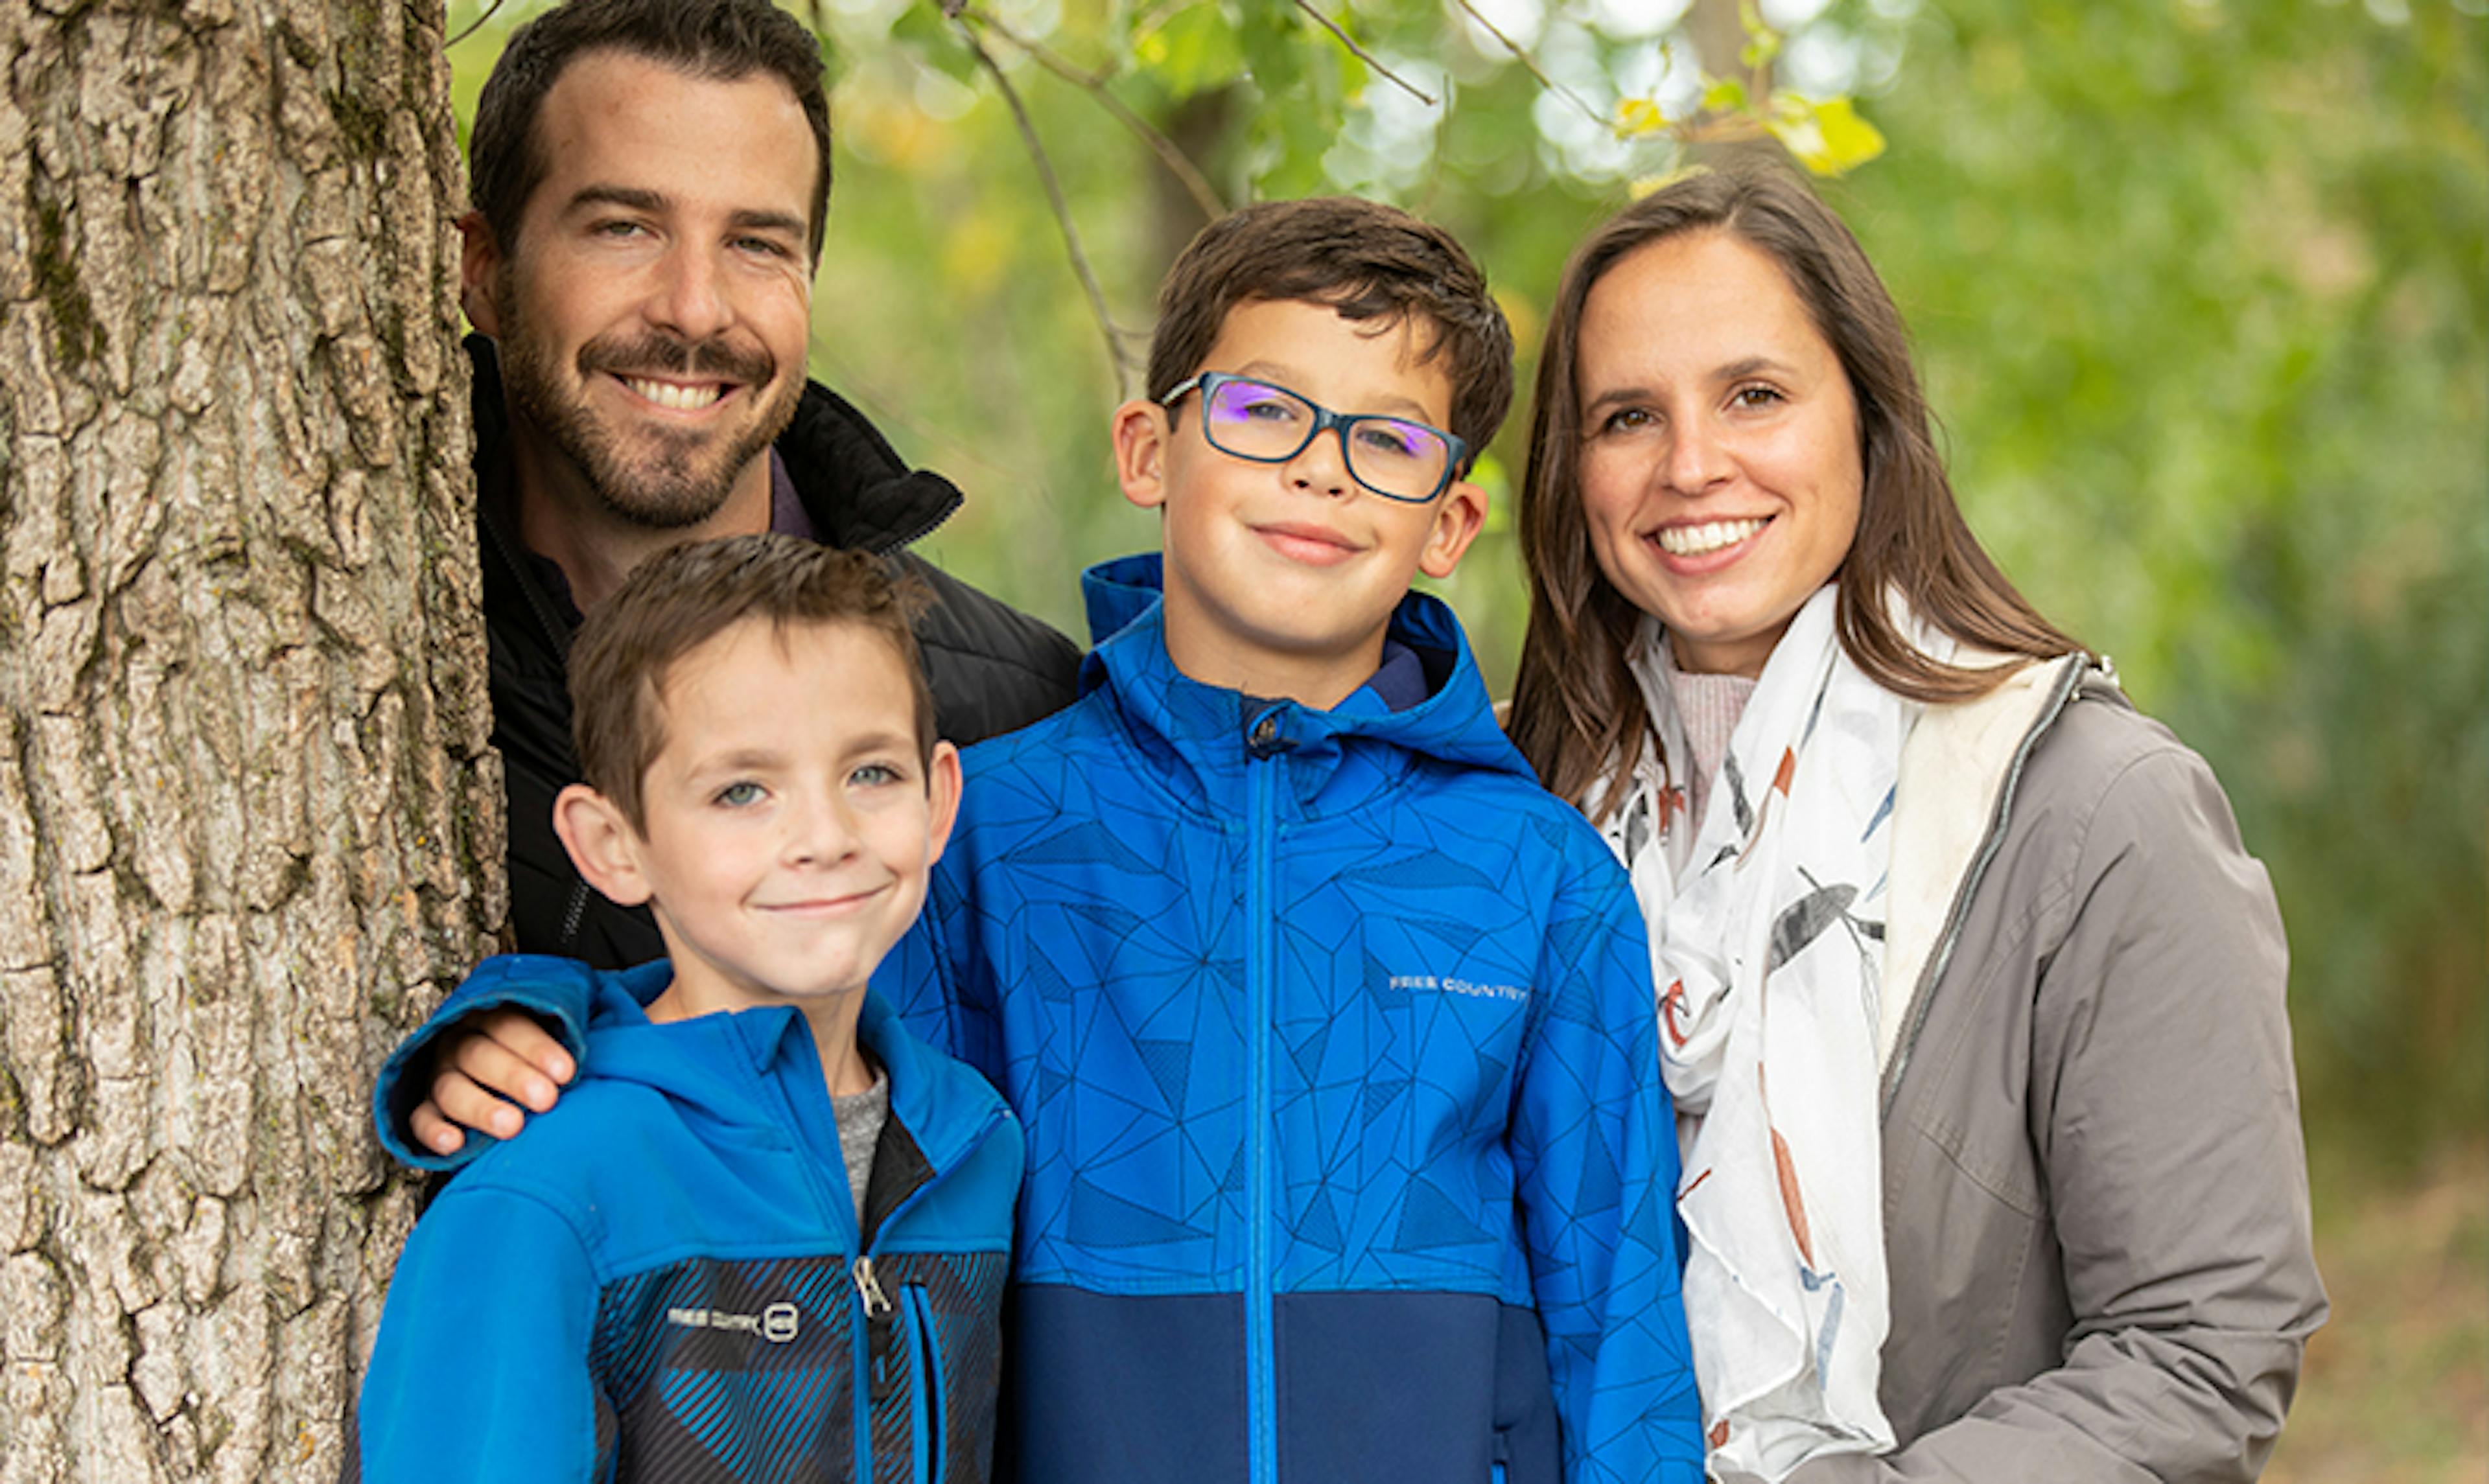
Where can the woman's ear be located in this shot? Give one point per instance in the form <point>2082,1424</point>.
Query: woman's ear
<point>603,843</point>
<point>1141,434</point>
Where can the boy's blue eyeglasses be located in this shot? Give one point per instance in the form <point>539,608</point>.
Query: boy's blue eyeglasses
<point>1393,456</point>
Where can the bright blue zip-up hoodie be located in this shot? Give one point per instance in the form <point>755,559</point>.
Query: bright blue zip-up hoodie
<point>1333,1035</point>
<point>666,1280</point>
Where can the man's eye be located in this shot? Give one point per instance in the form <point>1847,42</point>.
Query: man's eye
<point>762,246</point>
<point>740,795</point>
<point>617,229</point>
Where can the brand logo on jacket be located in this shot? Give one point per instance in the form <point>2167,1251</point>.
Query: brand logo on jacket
<point>776,1324</point>
<point>1462,987</point>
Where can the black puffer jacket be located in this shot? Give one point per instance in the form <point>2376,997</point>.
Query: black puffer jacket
<point>993,668</point>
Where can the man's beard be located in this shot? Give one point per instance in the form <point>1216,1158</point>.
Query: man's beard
<point>651,476</point>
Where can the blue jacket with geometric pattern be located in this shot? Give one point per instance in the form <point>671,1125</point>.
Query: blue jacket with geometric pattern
<point>664,1279</point>
<point>1332,1035</point>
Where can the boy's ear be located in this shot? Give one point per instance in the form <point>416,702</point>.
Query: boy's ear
<point>1141,437</point>
<point>942,783</point>
<point>479,265</point>
<point>602,843</point>
<point>1459,516</point>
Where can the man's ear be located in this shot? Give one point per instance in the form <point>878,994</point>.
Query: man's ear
<point>1141,435</point>
<point>602,843</point>
<point>479,267</point>
<point>1459,515</point>
<point>942,785</point>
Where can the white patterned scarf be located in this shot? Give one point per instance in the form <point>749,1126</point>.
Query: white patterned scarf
<point>1767,945</point>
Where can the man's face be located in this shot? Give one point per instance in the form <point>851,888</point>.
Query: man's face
<point>653,320</point>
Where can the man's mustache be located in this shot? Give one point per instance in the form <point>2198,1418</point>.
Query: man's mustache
<point>653,353</point>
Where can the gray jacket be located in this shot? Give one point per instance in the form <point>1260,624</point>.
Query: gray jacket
<point>2095,1193</point>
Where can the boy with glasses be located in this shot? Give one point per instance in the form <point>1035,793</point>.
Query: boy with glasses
<point>1332,1032</point>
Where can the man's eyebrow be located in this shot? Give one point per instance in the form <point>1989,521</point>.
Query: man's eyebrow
<point>633,197</point>
<point>769,221</point>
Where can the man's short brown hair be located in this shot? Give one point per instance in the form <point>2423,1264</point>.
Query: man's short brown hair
<point>1363,259</point>
<point>724,41</point>
<point>681,599</point>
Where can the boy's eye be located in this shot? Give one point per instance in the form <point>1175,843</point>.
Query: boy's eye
<point>1391,439</point>
<point>741,795</point>
<point>873,775</point>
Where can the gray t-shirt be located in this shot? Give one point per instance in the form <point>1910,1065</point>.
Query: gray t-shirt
<point>860,1117</point>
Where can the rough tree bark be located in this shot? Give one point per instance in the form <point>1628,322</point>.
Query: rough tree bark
<point>248,821</point>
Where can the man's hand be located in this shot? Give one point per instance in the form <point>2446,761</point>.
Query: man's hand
<point>486,1069</point>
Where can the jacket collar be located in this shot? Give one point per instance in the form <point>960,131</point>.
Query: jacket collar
<point>1200,737</point>
<point>713,1062</point>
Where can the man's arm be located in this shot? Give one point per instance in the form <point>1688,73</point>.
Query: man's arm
<point>1592,1118</point>
<point>2175,1174</point>
<point>481,1372</point>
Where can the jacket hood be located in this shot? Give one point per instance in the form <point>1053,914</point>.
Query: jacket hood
<point>716,1066</point>
<point>856,488</point>
<point>1205,732</point>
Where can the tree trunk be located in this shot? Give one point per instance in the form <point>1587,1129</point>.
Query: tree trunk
<point>249,824</point>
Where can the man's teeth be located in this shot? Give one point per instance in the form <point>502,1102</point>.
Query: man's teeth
<point>1694,540</point>
<point>689,399</point>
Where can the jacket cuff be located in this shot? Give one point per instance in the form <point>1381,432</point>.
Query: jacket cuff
<point>556,991</point>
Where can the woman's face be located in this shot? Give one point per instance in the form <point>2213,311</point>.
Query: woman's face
<point>1720,463</point>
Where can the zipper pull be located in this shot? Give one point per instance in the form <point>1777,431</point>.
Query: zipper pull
<point>876,1306</point>
<point>878,1331</point>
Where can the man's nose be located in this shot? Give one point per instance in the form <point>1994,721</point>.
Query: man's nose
<point>691,296</point>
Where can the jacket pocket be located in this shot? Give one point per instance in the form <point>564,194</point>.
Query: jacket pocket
<point>928,1406</point>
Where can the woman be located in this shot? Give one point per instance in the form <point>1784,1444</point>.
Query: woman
<point>1971,999</point>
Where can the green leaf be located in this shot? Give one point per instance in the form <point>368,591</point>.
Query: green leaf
<point>925,36</point>
<point>1723,94</point>
<point>1828,136</point>
<point>1192,50</point>
<point>1762,42</point>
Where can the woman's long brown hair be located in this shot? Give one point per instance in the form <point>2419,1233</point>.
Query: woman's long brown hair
<point>1577,714</point>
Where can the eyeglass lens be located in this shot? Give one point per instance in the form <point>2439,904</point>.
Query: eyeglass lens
<point>1254,420</point>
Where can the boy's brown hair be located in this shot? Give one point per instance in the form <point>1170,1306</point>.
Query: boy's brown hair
<point>1363,259</point>
<point>679,600</point>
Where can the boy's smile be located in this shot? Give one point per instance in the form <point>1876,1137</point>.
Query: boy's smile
<point>1281,578</point>
<point>788,820</point>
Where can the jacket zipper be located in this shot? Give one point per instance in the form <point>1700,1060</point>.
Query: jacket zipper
<point>1960,914</point>
<point>872,1347</point>
<point>1261,1408</point>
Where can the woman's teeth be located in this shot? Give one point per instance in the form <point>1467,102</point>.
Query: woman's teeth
<point>1695,540</point>
<point>689,399</point>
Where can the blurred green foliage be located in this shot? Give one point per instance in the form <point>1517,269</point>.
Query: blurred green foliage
<point>2198,288</point>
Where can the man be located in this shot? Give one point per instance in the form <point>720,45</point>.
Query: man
<point>652,180</point>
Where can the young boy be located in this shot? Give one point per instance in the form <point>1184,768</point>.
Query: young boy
<point>1331,1031</point>
<point>668,1279</point>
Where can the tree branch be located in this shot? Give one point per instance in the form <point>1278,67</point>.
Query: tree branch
<point>1195,183</point>
<point>474,26</point>
<point>1362,55</point>
<point>1116,356</point>
<point>1531,65</point>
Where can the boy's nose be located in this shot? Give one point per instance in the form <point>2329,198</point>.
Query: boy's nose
<point>820,832</point>
<point>1322,464</point>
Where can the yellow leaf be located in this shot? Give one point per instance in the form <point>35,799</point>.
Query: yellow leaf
<point>1640,116</point>
<point>1827,137</point>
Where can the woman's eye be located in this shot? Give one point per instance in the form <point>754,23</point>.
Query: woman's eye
<point>1629,419</point>
<point>1755,396</point>
<point>739,795</point>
